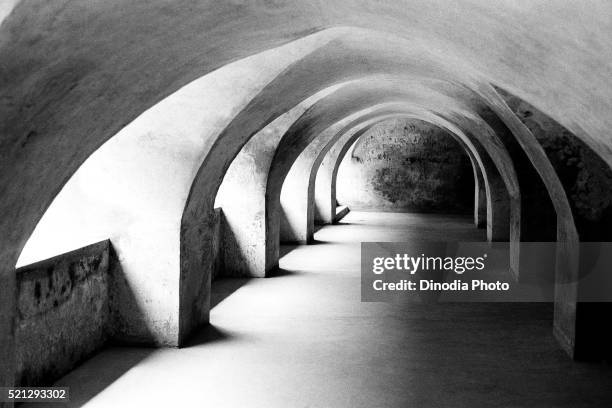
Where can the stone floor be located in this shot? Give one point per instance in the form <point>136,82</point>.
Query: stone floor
<point>303,339</point>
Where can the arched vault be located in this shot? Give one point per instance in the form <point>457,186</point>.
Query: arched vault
<point>74,75</point>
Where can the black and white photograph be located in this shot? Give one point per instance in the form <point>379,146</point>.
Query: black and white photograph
<point>306,203</point>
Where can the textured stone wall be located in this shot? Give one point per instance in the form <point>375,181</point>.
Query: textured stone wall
<point>586,178</point>
<point>62,313</point>
<point>406,165</point>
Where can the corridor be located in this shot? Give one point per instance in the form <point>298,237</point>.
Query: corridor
<point>175,178</point>
<point>302,338</point>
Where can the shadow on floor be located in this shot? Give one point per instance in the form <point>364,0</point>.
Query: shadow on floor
<point>310,341</point>
<point>318,242</point>
<point>208,334</point>
<point>280,272</point>
<point>108,366</point>
<point>97,374</point>
<point>224,287</point>
<point>284,249</point>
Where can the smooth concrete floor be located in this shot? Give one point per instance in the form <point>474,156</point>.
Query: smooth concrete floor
<point>303,339</point>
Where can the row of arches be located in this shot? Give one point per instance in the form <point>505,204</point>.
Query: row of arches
<point>151,188</point>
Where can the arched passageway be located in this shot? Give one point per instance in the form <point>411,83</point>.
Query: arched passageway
<point>152,152</point>
<point>256,323</point>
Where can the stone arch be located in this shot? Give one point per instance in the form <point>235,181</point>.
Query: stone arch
<point>496,150</point>
<point>88,84</point>
<point>243,227</point>
<point>326,195</point>
<point>507,214</point>
<point>568,252</point>
<point>247,220</point>
<point>133,190</point>
<point>574,163</point>
<point>325,202</point>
